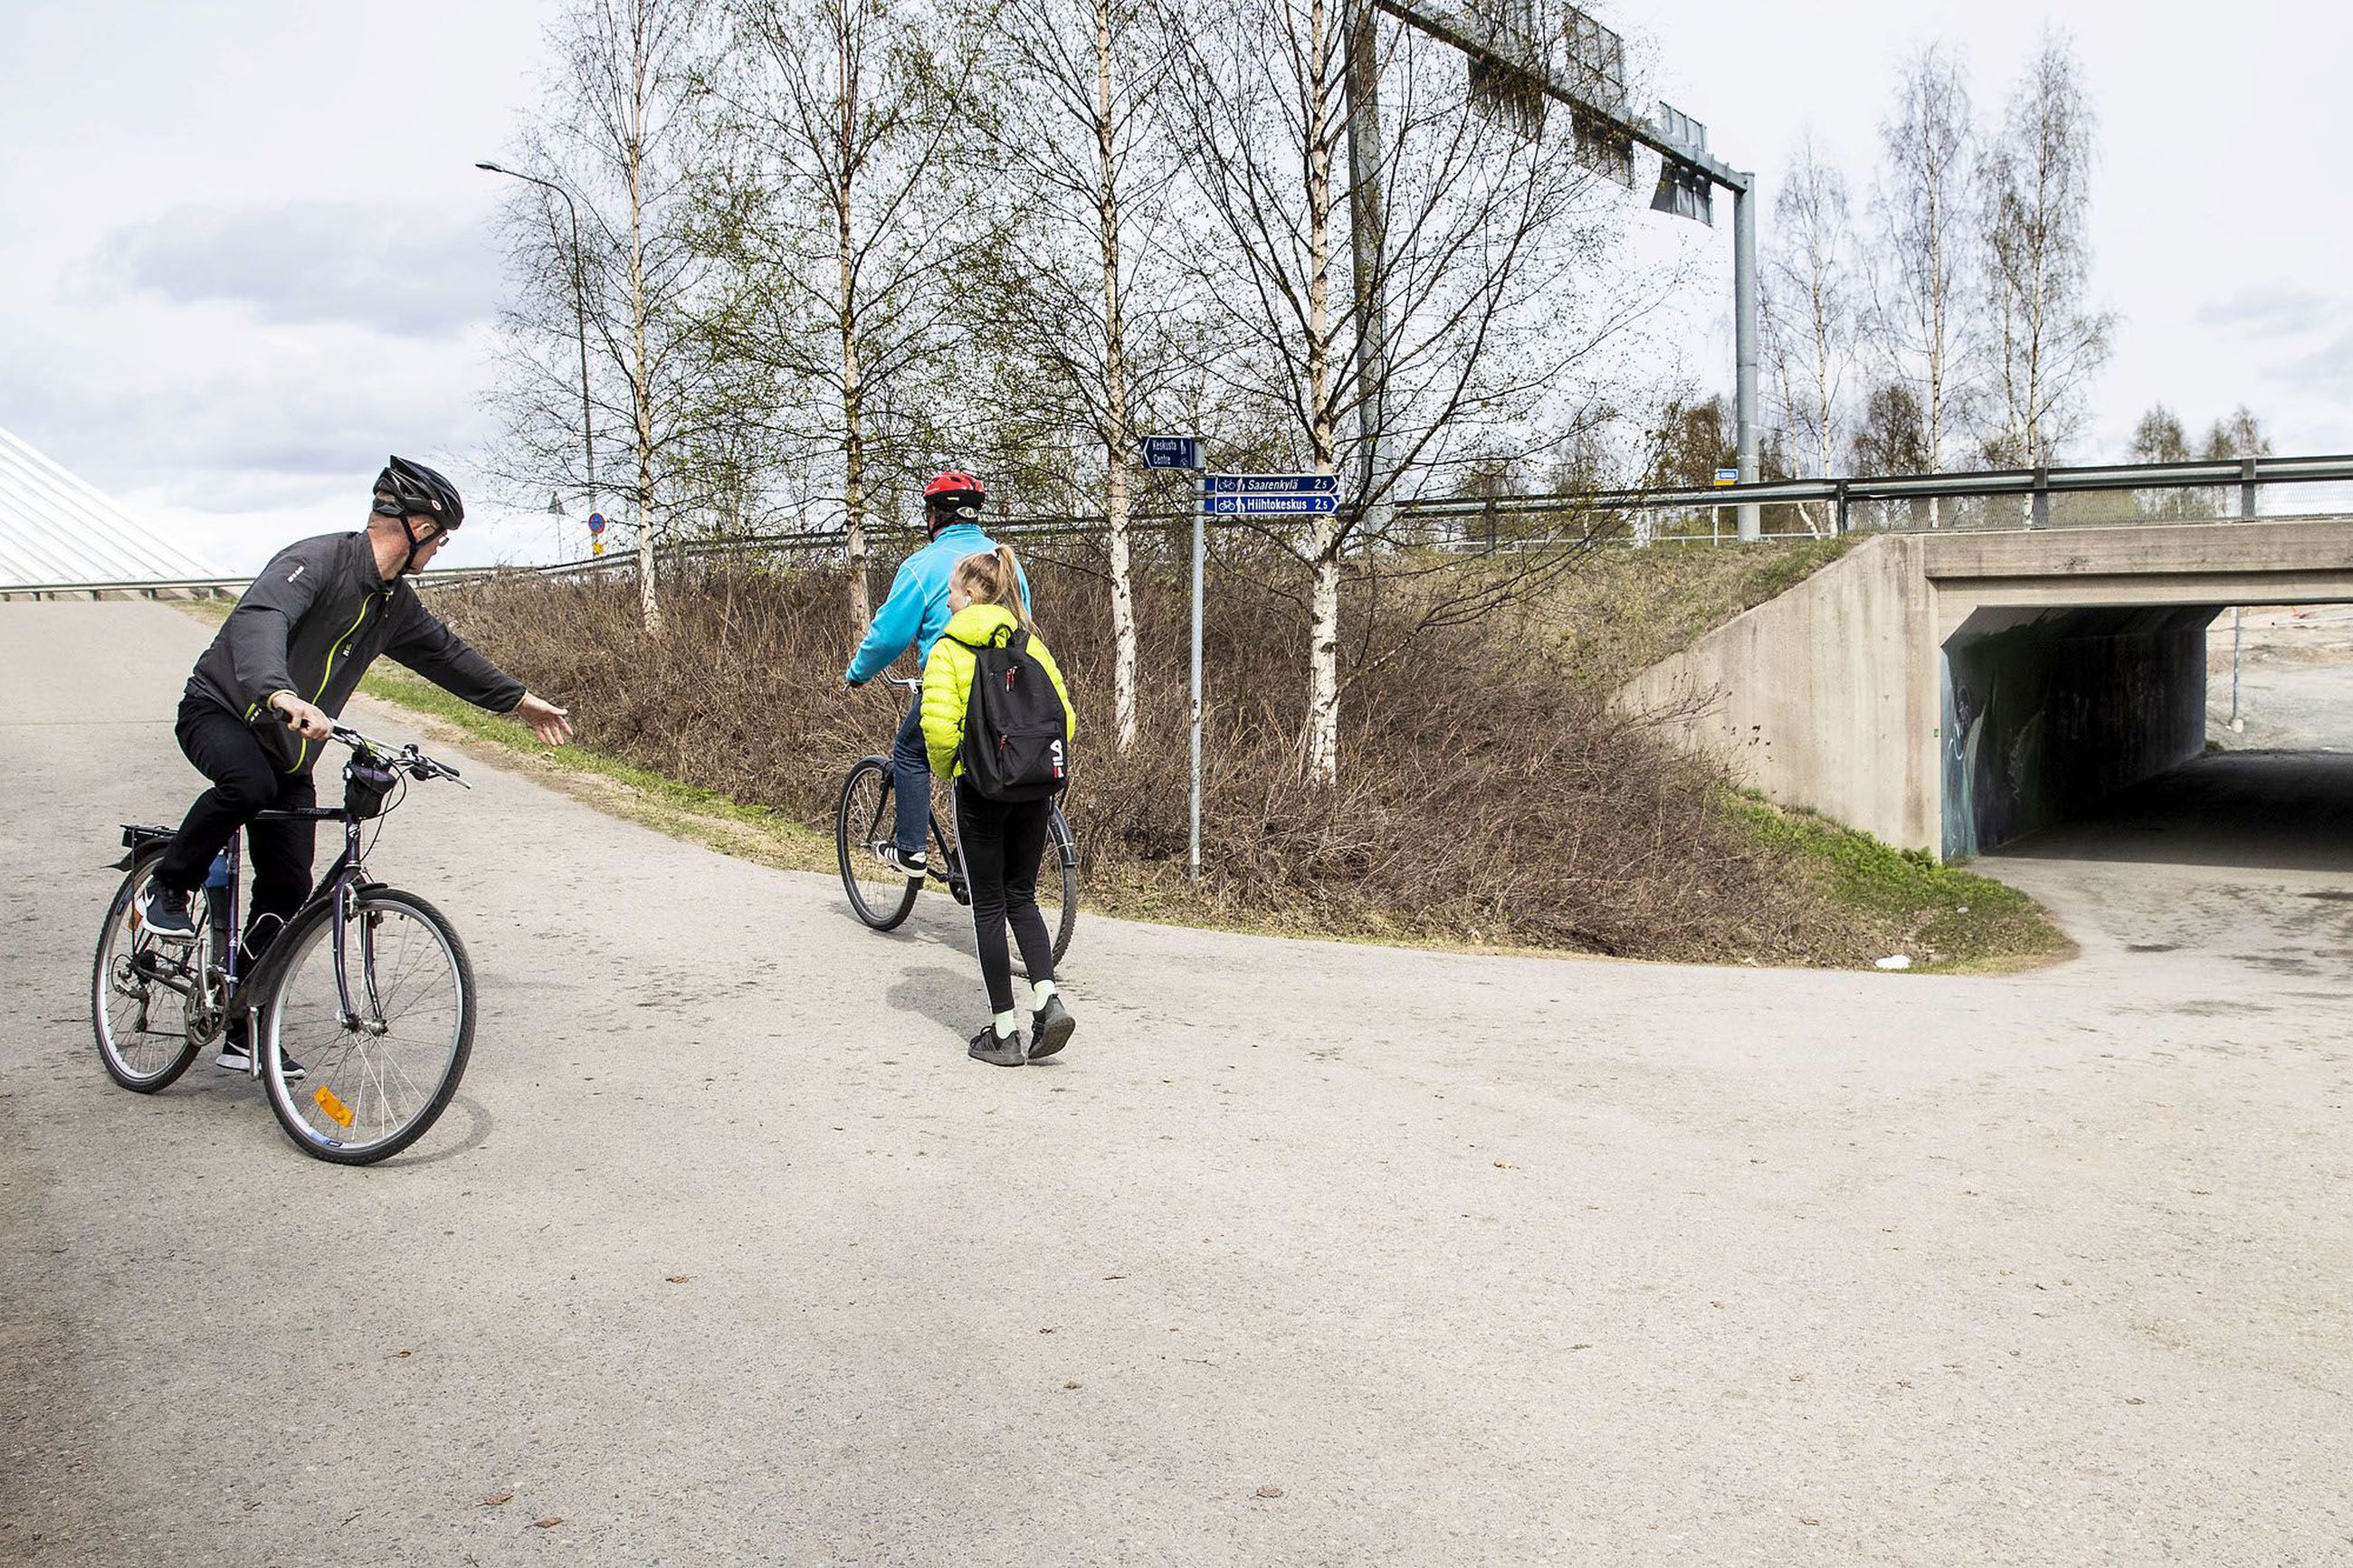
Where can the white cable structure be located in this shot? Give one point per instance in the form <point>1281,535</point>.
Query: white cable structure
<point>54,527</point>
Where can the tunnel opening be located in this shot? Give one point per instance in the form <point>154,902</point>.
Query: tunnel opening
<point>2146,731</point>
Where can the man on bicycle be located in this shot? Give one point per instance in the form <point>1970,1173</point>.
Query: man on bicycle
<point>266,692</point>
<point>914,616</point>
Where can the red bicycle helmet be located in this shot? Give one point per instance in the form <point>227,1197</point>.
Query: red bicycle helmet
<point>953,495</point>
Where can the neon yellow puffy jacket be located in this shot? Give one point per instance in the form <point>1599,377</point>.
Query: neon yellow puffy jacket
<point>947,681</point>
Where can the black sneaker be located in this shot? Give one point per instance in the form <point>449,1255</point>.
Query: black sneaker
<point>235,1056</point>
<point>164,913</point>
<point>914,865</point>
<point>1007,1052</point>
<point>1050,1027</point>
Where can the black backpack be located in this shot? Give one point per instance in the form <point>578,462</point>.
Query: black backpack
<point>1016,738</point>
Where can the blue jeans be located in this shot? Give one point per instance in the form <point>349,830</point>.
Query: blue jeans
<point>911,779</point>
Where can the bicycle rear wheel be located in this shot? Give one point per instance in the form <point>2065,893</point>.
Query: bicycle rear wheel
<point>140,1020</point>
<point>1057,883</point>
<point>378,1076</point>
<point>862,826</point>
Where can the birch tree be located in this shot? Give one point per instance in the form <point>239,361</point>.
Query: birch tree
<point>623,134</point>
<point>2035,180</point>
<point>1813,306</point>
<point>1476,223</point>
<point>1089,291</point>
<point>844,218</point>
<point>1926,209</point>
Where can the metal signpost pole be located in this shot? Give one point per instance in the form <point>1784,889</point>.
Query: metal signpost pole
<point>1185,452</point>
<point>1744,351</point>
<point>1200,526</point>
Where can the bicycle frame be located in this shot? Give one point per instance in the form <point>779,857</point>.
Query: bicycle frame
<point>337,881</point>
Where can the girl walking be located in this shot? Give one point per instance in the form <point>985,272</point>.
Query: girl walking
<point>1001,825</point>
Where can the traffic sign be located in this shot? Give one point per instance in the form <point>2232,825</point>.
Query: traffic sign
<point>1172,451</point>
<point>1727,476</point>
<point>1262,506</point>
<point>1272,485</point>
<point>596,522</point>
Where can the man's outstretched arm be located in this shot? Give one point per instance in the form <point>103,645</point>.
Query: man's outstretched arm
<point>442,657</point>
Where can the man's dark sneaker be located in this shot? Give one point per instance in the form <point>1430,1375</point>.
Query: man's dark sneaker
<point>164,913</point>
<point>1050,1027</point>
<point>914,865</point>
<point>236,1057</point>
<point>997,1052</point>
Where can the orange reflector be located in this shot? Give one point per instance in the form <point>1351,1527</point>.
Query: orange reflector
<point>332,1106</point>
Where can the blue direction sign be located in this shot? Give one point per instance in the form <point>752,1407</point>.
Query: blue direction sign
<point>1273,485</point>
<point>1262,506</point>
<point>1172,451</point>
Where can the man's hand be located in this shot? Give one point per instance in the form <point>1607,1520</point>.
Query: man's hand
<point>311,722</point>
<point>552,724</point>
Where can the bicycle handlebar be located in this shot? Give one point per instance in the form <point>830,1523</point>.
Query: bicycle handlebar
<point>407,760</point>
<point>909,681</point>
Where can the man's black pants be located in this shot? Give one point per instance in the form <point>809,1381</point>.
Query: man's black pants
<point>1002,845</point>
<point>245,781</point>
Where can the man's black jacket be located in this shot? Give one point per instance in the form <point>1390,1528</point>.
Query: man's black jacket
<point>312,622</point>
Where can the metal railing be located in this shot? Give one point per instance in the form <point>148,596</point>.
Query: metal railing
<point>2109,495</point>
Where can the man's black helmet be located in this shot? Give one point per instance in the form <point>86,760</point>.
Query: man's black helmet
<point>412,490</point>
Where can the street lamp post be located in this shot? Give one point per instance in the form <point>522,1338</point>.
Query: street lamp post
<point>580,315</point>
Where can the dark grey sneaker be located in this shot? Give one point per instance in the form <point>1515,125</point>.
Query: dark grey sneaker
<point>236,1056</point>
<point>915,865</point>
<point>998,1053</point>
<point>163,911</point>
<point>1050,1027</point>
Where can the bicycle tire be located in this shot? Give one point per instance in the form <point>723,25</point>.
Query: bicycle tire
<point>110,1048</point>
<point>1065,851</point>
<point>865,799</point>
<point>286,961</point>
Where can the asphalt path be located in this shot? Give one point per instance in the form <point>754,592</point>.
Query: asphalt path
<point>1301,1254</point>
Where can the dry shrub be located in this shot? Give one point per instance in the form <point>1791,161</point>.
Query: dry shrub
<point>1484,796</point>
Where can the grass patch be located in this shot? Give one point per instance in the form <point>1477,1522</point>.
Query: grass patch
<point>1941,917</point>
<point>1624,610</point>
<point>705,815</point>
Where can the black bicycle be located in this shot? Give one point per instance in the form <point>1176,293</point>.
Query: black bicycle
<point>358,1018</point>
<point>882,896</point>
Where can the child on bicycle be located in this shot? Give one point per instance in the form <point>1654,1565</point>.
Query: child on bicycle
<point>1003,839</point>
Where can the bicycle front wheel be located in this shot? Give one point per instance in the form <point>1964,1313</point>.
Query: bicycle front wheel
<point>863,824</point>
<point>377,1005</point>
<point>137,1004</point>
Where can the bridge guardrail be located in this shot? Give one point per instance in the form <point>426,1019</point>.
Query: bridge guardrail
<point>2126,494</point>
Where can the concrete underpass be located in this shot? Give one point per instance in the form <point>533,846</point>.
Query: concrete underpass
<point>1964,693</point>
<point>2053,717</point>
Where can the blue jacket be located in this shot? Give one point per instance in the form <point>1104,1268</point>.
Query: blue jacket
<point>916,613</point>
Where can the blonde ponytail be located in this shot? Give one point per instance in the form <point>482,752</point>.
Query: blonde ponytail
<point>995,578</point>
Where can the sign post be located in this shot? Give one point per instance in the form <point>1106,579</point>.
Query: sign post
<point>595,533</point>
<point>1185,452</point>
<point>1193,839</point>
<point>1172,451</point>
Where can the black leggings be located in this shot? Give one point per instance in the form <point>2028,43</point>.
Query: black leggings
<point>1002,843</point>
<point>245,781</point>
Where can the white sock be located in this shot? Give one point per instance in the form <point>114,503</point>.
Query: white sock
<point>1008,1025</point>
<point>1038,993</point>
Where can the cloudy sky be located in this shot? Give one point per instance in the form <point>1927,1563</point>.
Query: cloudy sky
<point>244,252</point>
